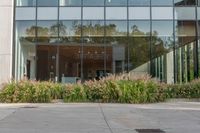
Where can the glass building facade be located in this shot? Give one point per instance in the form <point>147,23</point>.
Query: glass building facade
<point>70,40</point>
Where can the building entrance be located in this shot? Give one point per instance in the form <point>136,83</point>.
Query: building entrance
<point>71,63</point>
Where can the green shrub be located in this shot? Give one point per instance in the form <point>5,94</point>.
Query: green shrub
<point>139,92</point>
<point>112,89</point>
<point>187,90</point>
<point>94,90</point>
<point>75,93</point>
<point>42,93</point>
<point>7,93</point>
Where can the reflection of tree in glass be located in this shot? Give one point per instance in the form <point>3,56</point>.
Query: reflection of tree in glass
<point>139,51</point>
<point>136,32</point>
<point>160,45</point>
<point>140,46</point>
<point>93,30</point>
<point>62,28</point>
<point>31,31</point>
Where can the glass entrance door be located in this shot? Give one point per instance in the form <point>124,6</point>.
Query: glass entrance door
<point>69,63</point>
<point>47,60</point>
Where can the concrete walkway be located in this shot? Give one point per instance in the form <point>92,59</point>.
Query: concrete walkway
<point>179,117</point>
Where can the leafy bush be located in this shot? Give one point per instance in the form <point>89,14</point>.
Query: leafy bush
<point>124,88</point>
<point>75,93</point>
<point>187,90</point>
<point>31,92</point>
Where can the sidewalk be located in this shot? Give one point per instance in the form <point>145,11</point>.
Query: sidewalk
<point>174,117</point>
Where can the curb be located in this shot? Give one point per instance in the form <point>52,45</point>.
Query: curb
<point>183,100</point>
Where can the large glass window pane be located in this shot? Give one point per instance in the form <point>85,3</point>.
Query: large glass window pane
<point>25,39</point>
<point>116,46</point>
<point>47,59</point>
<point>139,49</point>
<point>93,28</point>
<point>93,2</point>
<point>70,31</point>
<point>27,13</point>
<point>93,13</point>
<point>139,13</point>
<point>26,31</point>
<point>93,50</point>
<point>52,13</point>
<point>70,13</point>
<point>185,32</point>
<point>162,28</point>
<point>70,28</point>
<point>184,2</point>
<point>162,2</point>
<point>94,59</point>
<point>139,28</point>
<point>70,2</point>
<point>139,2</point>
<point>26,3</point>
<point>116,13</point>
<point>70,63</point>
<point>116,28</point>
<point>47,31</point>
<point>116,2</point>
<point>162,37</point>
<point>185,13</point>
<point>47,2</point>
<point>162,13</point>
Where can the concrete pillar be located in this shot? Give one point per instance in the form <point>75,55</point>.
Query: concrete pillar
<point>6,39</point>
<point>170,68</point>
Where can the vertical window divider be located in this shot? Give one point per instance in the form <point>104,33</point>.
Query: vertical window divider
<point>128,38</point>
<point>36,36</point>
<point>58,43</point>
<point>196,53</point>
<point>82,41</point>
<point>174,47</point>
<point>150,54</point>
<point>105,49</point>
<point>14,42</point>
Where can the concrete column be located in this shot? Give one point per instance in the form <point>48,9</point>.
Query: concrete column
<point>6,39</point>
<point>170,68</point>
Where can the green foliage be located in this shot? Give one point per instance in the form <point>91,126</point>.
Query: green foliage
<point>113,89</point>
<point>75,93</point>
<point>187,90</point>
<point>31,92</point>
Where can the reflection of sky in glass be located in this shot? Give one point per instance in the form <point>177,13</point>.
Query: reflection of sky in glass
<point>43,25</point>
<point>70,2</point>
<point>116,2</point>
<point>26,3</point>
<point>162,2</point>
<point>93,2</point>
<point>163,28</point>
<point>47,2</point>
<point>139,2</point>
<point>23,26</point>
